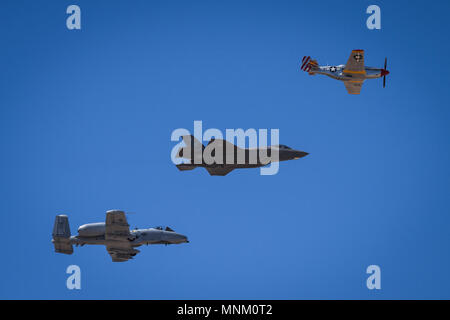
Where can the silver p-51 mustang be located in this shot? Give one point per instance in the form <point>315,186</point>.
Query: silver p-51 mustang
<point>114,233</point>
<point>352,74</point>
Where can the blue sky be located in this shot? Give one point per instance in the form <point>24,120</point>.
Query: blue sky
<point>85,124</point>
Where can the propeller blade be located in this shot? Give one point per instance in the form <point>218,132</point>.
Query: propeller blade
<point>385,63</point>
<point>384,81</point>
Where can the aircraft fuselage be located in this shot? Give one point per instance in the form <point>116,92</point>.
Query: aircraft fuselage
<point>94,233</point>
<point>338,73</point>
<point>243,159</point>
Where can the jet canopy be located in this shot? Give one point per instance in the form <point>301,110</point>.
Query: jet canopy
<point>282,146</point>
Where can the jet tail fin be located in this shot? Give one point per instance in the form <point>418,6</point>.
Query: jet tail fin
<point>61,235</point>
<point>309,65</point>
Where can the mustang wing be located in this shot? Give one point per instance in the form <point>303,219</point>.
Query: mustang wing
<point>353,87</point>
<point>355,63</point>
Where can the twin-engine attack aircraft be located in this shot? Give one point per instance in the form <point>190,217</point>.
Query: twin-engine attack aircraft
<point>352,74</point>
<point>239,157</point>
<point>115,234</point>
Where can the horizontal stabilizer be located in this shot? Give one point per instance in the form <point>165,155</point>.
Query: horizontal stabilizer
<point>63,246</point>
<point>309,65</point>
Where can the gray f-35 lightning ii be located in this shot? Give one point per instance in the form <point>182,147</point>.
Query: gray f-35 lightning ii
<point>225,156</point>
<point>115,234</point>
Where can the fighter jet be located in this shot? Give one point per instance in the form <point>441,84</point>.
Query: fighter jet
<point>352,74</point>
<point>115,234</point>
<point>225,156</point>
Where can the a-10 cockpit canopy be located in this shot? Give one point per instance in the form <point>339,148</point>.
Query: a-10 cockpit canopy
<point>166,229</point>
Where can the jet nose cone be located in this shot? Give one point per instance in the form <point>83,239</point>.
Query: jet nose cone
<point>182,238</point>
<point>300,154</point>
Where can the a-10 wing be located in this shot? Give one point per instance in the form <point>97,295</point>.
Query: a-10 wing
<point>117,237</point>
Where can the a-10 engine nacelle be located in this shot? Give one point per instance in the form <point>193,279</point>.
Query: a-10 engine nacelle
<point>92,229</point>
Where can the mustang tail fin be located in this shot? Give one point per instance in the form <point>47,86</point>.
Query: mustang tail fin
<point>309,65</point>
<point>61,235</point>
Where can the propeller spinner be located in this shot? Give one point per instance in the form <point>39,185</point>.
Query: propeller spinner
<point>384,72</point>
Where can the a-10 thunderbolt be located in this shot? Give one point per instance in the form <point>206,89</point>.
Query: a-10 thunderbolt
<point>353,74</point>
<point>225,156</point>
<point>114,233</point>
